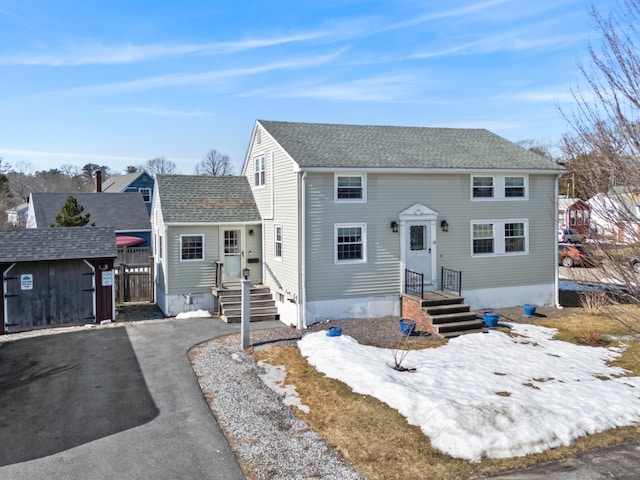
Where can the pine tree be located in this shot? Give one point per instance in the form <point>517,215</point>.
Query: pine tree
<point>71,214</point>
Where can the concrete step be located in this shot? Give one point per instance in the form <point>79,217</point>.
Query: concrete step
<point>252,318</point>
<point>452,317</point>
<point>447,308</point>
<point>457,333</point>
<point>459,326</point>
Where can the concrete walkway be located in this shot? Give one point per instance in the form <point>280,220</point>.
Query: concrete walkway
<point>182,440</point>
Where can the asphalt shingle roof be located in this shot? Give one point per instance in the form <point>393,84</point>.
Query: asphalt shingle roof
<point>206,199</point>
<point>122,211</point>
<point>117,183</point>
<point>314,145</point>
<point>39,244</point>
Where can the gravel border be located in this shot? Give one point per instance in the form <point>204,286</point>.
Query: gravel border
<point>269,440</point>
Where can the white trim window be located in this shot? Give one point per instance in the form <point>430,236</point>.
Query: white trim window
<point>160,245</point>
<point>350,187</point>
<point>499,237</point>
<point>350,242</point>
<point>259,171</point>
<point>514,187</point>
<point>482,187</point>
<point>191,247</point>
<point>277,242</point>
<point>146,194</point>
<point>499,187</point>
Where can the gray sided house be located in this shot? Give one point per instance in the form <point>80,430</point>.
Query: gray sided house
<point>56,276</point>
<point>126,213</point>
<point>350,212</point>
<point>206,230</point>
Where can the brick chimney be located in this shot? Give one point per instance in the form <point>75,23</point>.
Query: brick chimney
<point>98,182</point>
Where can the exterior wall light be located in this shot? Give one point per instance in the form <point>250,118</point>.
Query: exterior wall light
<point>394,226</point>
<point>444,225</point>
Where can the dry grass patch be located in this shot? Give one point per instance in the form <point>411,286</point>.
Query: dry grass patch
<point>378,442</point>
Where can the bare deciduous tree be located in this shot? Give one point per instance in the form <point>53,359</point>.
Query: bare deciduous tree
<point>159,166</point>
<point>214,163</point>
<point>603,151</point>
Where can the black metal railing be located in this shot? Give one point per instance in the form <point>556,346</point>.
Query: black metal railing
<point>451,280</point>
<point>414,283</point>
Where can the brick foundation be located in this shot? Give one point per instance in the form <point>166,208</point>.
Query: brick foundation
<point>411,307</point>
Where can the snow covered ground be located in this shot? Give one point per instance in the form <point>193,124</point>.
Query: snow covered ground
<point>490,394</point>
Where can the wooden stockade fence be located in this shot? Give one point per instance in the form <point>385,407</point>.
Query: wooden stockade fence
<point>133,283</point>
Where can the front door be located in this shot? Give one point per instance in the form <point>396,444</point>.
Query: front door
<point>232,253</point>
<point>418,249</point>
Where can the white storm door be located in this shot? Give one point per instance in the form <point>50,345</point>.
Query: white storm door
<point>418,249</point>
<point>232,245</point>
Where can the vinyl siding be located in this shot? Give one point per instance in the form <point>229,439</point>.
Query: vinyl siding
<point>447,194</point>
<point>281,275</point>
<point>194,276</point>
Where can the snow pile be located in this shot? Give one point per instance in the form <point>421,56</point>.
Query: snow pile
<point>490,395</point>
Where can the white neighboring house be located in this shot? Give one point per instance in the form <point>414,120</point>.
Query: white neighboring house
<point>17,216</point>
<point>349,211</point>
<point>616,214</point>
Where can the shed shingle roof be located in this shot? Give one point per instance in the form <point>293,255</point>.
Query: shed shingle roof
<point>39,244</point>
<point>314,145</point>
<point>206,199</point>
<point>122,211</point>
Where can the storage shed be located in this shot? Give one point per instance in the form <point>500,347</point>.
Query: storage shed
<point>56,276</point>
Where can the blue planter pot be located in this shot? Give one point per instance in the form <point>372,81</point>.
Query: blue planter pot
<point>407,326</point>
<point>491,318</point>
<point>334,331</point>
<point>529,310</point>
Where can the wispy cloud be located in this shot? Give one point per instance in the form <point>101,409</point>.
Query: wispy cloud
<point>98,54</point>
<point>156,112</point>
<point>205,78</point>
<point>44,155</point>
<point>391,88</point>
<point>561,95</point>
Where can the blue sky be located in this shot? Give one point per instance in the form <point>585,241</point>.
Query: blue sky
<point>117,83</point>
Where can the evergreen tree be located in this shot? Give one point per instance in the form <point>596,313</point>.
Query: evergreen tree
<point>71,214</point>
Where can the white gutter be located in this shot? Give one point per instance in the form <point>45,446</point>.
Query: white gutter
<point>443,170</point>
<point>302,301</point>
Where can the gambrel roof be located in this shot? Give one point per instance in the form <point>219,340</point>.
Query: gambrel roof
<point>65,243</point>
<point>206,199</point>
<point>122,211</point>
<point>315,145</point>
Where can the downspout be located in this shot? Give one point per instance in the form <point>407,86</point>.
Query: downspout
<point>302,301</point>
<point>556,292</point>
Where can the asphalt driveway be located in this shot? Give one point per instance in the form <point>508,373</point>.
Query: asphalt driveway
<point>110,403</point>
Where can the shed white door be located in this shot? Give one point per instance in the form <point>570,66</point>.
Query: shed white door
<point>418,249</point>
<point>232,253</point>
